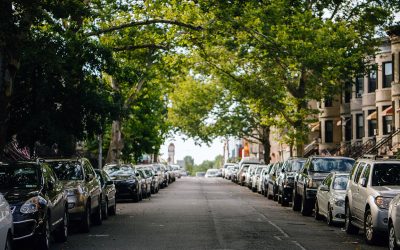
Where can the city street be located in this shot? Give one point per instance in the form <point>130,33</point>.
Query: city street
<point>199,213</point>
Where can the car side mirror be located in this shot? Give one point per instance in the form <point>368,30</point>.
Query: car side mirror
<point>324,188</point>
<point>109,183</point>
<point>137,174</point>
<point>363,182</point>
<point>89,177</point>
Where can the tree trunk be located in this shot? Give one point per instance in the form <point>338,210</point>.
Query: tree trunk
<point>116,143</point>
<point>266,143</point>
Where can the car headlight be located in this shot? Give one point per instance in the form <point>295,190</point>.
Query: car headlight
<point>74,191</point>
<point>339,203</point>
<point>382,202</point>
<point>32,205</point>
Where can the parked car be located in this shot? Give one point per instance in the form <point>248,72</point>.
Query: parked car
<point>225,168</point>
<point>162,173</point>
<point>171,174</point>
<point>249,175</point>
<point>200,174</point>
<point>243,166</point>
<point>272,184</point>
<point>212,172</point>
<point>108,203</point>
<point>227,172</point>
<point>127,181</point>
<point>241,174</point>
<point>394,224</point>
<point>371,187</point>
<point>37,201</point>
<point>177,170</point>
<point>6,224</point>
<point>286,179</point>
<point>310,176</point>
<point>146,182</point>
<point>330,198</point>
<point>83,190</point>
<point>256,177</point>
<point>264,179</point>
<point>264,172</point>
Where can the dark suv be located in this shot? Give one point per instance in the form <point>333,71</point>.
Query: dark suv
<point>310,176</point>
<point>37,201</point>
<point>286,179</point>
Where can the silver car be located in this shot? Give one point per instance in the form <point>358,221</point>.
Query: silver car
<point>394,224</point>
<point>329,202</point>
<point>6,224</point>
<point>371,187</point>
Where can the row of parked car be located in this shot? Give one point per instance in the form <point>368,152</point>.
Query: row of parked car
<point>43,199</point>
<point>362,194</point>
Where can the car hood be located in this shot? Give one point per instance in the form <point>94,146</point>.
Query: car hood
<point>14,196</point>
<point>387,191</point>
<point>123,178</point>
<point>318,175</point>
<point>72,184</point>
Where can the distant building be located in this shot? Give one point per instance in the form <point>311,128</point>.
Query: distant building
<point>171,153</point>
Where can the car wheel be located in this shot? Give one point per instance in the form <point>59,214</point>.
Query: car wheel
<point>9,244</point>
<point>105,210</point>
<point>392,238</point>
<point>61,234</point>
<point>113,209</point>
<point>85,226</point>
<point>97,217</point>
<point>317,216</point>
<point>369,233</point>
<point>306,208</point>
<point>296,201</point>
<point>44,238</point>
<point>329,217</point>
<point>348,226</point>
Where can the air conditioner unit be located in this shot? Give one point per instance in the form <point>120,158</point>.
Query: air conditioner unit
<point>358,95</point>
<point>389,128</point>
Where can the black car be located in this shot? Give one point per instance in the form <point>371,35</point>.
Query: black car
<point>127,181</point>
<point>37,201</point>
<point>108,204</point>
<point>286,179</point>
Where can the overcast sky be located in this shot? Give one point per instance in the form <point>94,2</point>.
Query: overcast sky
<point>199,153</point>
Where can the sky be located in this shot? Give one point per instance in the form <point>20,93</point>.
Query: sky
<point>188,147</point>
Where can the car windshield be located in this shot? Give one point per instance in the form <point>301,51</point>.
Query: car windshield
<point>386,174</point>
<point>67,171</point>
<point>259,170</point>
<point>327,165</point>
<point>340,182</point>
<point>19,177</point>
<point>212,172</point>
<point>119,170</point>
<point>294,165</point>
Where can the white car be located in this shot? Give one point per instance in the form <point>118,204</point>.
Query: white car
<point>6,224</point>
<point>212,172</point>
<point>255,179</point>
<point>330,199</point>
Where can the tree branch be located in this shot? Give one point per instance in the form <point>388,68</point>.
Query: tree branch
<point>142,46</point>
<point>142,23</point>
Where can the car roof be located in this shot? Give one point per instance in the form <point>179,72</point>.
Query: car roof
<point>330,157</point>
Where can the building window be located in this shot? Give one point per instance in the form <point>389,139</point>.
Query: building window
<point>328,102</point>
<point>359,126</point>
<point>347,92</point>
<point>347,130</point>
<point>371,124</point>
<point>328,131</point>
<point>387,75</point>
<point>372,81</point>
<point>359,86</point>
<point>387,122</point>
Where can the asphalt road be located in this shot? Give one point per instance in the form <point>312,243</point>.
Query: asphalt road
<point>199,213</point>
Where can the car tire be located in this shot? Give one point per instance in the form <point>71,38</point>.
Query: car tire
<point>9,242</point>
<point>113,209</point>
<point>105,211</point>
<point>348,226</point>
<point>392,238</point>
<point>136,197</point>
<point>370,234</point>
<point>296,202</point>
<point>43,240</point>
<point>306,208</point>
<point>317,215</point>
<point>61,234</point>
<point>329,217</point>
<point>86,220</point>
<point>97,216</point>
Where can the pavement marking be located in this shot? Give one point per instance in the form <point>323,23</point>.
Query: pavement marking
<point>299,245</point>
<point>276,226</point>
<point>99,235</point>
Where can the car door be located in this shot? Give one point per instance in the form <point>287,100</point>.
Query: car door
<point>354,190</point>
<point>55,194</point>
<point>323,196</point>
<point>92,183</point>
<point>361,197</point>
<point>302,177</point>
<point>111,190</point>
